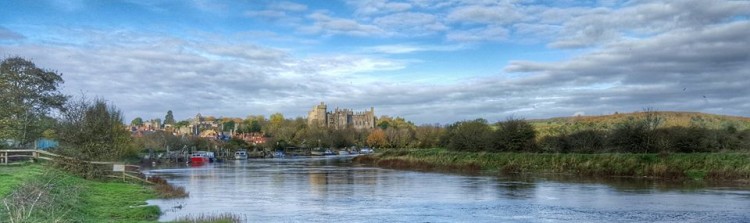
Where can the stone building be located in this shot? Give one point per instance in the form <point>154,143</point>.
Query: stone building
<point>341,118</point>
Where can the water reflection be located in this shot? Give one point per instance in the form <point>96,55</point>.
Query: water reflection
<point>334,190</point>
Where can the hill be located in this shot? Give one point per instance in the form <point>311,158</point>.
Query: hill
<point>668,119</point>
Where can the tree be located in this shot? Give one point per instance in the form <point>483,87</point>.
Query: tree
<point>138,121</point>
<point>28,94</point>
<point>428,136</point>
<point>183,123</point>
<point>169,118</point>
<point>514,135</point>
<point>93,130</point>
<point>469,135</point>
<point>377,138</point>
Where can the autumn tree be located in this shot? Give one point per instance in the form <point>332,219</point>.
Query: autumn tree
<point>428,136</point>
<point>377,138</point>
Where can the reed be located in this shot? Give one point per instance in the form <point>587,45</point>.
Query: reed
<point>211,218</point>
<point>697,166</point>
<point>166,190</point>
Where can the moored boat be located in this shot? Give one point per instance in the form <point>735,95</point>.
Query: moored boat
<point>240,155</point>
<point>201,157</point>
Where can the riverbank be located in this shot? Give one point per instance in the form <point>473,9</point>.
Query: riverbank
<point>37,193</point>
<point>676,166</point>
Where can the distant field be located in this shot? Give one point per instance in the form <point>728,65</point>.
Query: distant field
<point>669,119</point>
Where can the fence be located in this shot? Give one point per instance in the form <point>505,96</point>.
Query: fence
<point>119,170</point>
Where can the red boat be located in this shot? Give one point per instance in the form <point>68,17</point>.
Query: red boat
<point>200,157</point>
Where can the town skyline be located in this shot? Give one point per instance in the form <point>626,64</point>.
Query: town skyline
<point>428,62</point>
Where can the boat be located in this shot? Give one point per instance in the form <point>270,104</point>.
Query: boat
<point>240,155</point>
<point>279,154</point>
<point>343,152</point>
<point>328,152</point>
<point>317,152</point>
<point>201,157</point>
<point>366,150</point>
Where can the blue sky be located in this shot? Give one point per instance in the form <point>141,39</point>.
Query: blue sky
<point>428,61</point>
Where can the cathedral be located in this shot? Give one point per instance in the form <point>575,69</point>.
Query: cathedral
<point>341,118</point>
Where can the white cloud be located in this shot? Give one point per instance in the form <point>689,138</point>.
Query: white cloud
<point>327,25</point>
<point>497,14</point>
<point>376,7</point>
<point>288,6</point>
<point>411,48</point>
<point>411,23</point>
<point>491,33</point>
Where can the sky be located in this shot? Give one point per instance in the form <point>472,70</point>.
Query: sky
<point>429,61</point>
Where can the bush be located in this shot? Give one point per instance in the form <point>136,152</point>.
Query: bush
<point>631,136</point>
<point>166,190</point>
<point>469,136</point>
<point>514,135</point>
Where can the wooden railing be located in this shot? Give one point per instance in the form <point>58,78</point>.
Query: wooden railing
<point>128,172</point>
<point>7,155</point>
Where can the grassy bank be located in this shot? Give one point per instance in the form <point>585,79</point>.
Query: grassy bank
<point>709,166</point>
<point>35,193</point>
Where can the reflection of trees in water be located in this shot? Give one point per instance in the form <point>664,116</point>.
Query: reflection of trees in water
<point>640,185</point>
<point>523,186</point>
<point>516,187</point>
<point>340,181</point>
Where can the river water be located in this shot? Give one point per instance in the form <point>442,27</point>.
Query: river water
<point>335,190</point>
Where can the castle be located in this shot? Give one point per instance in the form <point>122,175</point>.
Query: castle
<point>341,118</point>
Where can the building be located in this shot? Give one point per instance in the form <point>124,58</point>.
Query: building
<point>341,118</point>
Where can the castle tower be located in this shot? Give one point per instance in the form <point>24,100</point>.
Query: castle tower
<point>317,115</point>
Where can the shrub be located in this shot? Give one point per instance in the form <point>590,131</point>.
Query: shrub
<point>630,136</point>
<point>586,141</point>
<point>514,135</point>
<point>469,136</point>
<point>166,190</point>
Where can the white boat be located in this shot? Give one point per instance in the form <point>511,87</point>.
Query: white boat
<point>366,150</point>
<point>344,152</point>
<point>240,155</point>
<point>317,152</point>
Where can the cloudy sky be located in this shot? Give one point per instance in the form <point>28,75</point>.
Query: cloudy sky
<point>430,61</point>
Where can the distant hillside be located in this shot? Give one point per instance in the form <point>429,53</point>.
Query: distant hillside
<point>669,119</point>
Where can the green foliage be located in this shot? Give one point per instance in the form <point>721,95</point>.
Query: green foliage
<point>183,123</point>
<point>631,136</point>
<point>28,94</point>
<point>93,130</point>
<point>711,166</point>
<point>61,197</point>
<point>469,136</point>
<point>169,118</point>
<point>636,137</point>
<point>514,135</point>
<point>138,121</point>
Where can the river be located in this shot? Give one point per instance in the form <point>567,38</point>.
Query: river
<point>333,189</point>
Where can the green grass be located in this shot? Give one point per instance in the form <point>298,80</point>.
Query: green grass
<point>12,176</point>
<point>697,166</point>
<point>73,199</point>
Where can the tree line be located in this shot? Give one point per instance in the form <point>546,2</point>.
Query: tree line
<point>93,129</point>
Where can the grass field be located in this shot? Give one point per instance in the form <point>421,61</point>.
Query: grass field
<point>36,193</point>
